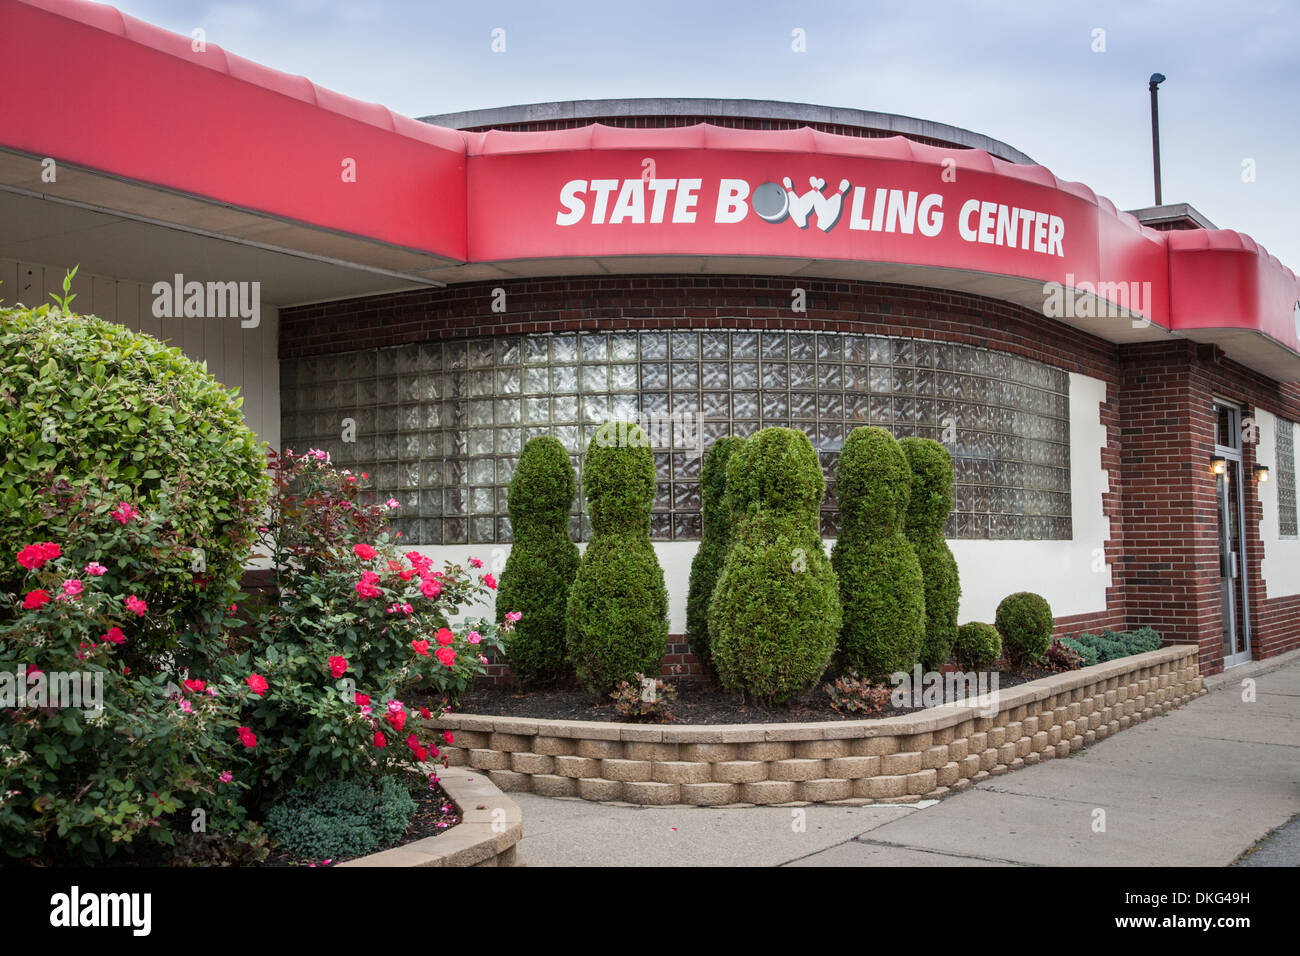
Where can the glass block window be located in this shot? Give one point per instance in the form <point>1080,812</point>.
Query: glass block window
<point>1286,512</point>
<point>440,426</point>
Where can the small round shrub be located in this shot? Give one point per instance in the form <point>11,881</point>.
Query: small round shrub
<point>882,590</point>
<point>340,819</point>
<point>1024,620</point>
<point>715,538</point>
<point>542,564</point>
<point>775,611</point>
<point>617,615</point>
<point>927,513</point>
<point>977,646</point>
<point>106,415</point>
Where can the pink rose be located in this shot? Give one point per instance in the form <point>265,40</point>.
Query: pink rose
<point>94,569</point>
<point>490,581</point>
<point>513,616</point>
<point>72,587</point>
<point>474,637</point>
<point>124,512</point>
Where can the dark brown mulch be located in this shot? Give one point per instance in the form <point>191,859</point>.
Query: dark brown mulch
<point>698,702</point>
<point>434,813</point>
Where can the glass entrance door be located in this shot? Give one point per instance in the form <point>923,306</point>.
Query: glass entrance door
<point>1232,539</point>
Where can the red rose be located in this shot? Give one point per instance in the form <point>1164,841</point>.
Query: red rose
<point>398,719</point>
<point>364,551</point>
<point>424,712</point>
<point>115,636</point>
<point>338,666</point>
<point>490,581</point>
<point>247,737</point>
<point>446,655</point>
<point>366,586</point>
<point>257,682</point>
<point>448,737</point>
<point>445,636</point>
<point>361,700</point>
<point>379,740</point>
<point>35,599</point>
<point>421,647</point>
<point>34,555</point>
<point>194,685</point>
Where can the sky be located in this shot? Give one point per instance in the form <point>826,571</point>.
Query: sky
<point>1036,74</point>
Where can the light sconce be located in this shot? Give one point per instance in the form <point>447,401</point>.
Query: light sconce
<point>1218,465</point>
<point>1261,473</point>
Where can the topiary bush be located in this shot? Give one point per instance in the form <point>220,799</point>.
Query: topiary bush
<point>340,819</point>
<point>977,646</point>
<point>617,615</point>
<point>543,562</point>
<point>775,611</point>
<point>1024,620</point>
<point>927,513</point>
<point>94,409</point>
<point>882,589</point>
<point>715,538</point>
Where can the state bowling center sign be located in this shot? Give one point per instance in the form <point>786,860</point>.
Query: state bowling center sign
<point>892,210</point>
<point>968,213</point>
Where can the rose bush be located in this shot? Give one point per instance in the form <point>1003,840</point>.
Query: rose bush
<point>304,688</point>
<point>96,753</point>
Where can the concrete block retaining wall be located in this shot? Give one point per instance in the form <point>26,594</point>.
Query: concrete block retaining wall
<point>917,756</point>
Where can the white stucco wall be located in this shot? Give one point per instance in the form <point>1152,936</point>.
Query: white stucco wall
<point>1280,567</point>
<point>1061,571</point>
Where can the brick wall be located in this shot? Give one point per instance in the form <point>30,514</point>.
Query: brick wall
<point>1157,415</point>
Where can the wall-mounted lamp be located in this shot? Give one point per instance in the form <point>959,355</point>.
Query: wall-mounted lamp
<point>1218,465</point>
<point>1261,472</point>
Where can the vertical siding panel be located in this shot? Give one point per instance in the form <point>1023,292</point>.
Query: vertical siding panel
<point>31,285</point>
<point>144,320</point>
<point>128,304</point>
<point>8,282</point>
<point>103,299</point>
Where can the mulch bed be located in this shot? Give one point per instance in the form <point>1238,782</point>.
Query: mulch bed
<point>698,702</point>
<point>434,813</point>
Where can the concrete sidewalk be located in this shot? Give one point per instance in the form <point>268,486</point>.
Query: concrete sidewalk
<point>1196,787</point>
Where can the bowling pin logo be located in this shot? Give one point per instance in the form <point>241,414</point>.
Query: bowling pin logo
<point>773,203</point>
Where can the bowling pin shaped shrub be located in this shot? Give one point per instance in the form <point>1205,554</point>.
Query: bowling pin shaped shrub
<point>927,513</point>
<point>775,612</point>
<point>542,563</point>
<point>881,588</point>
<point>715,537</point>
<point>618,608</point>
